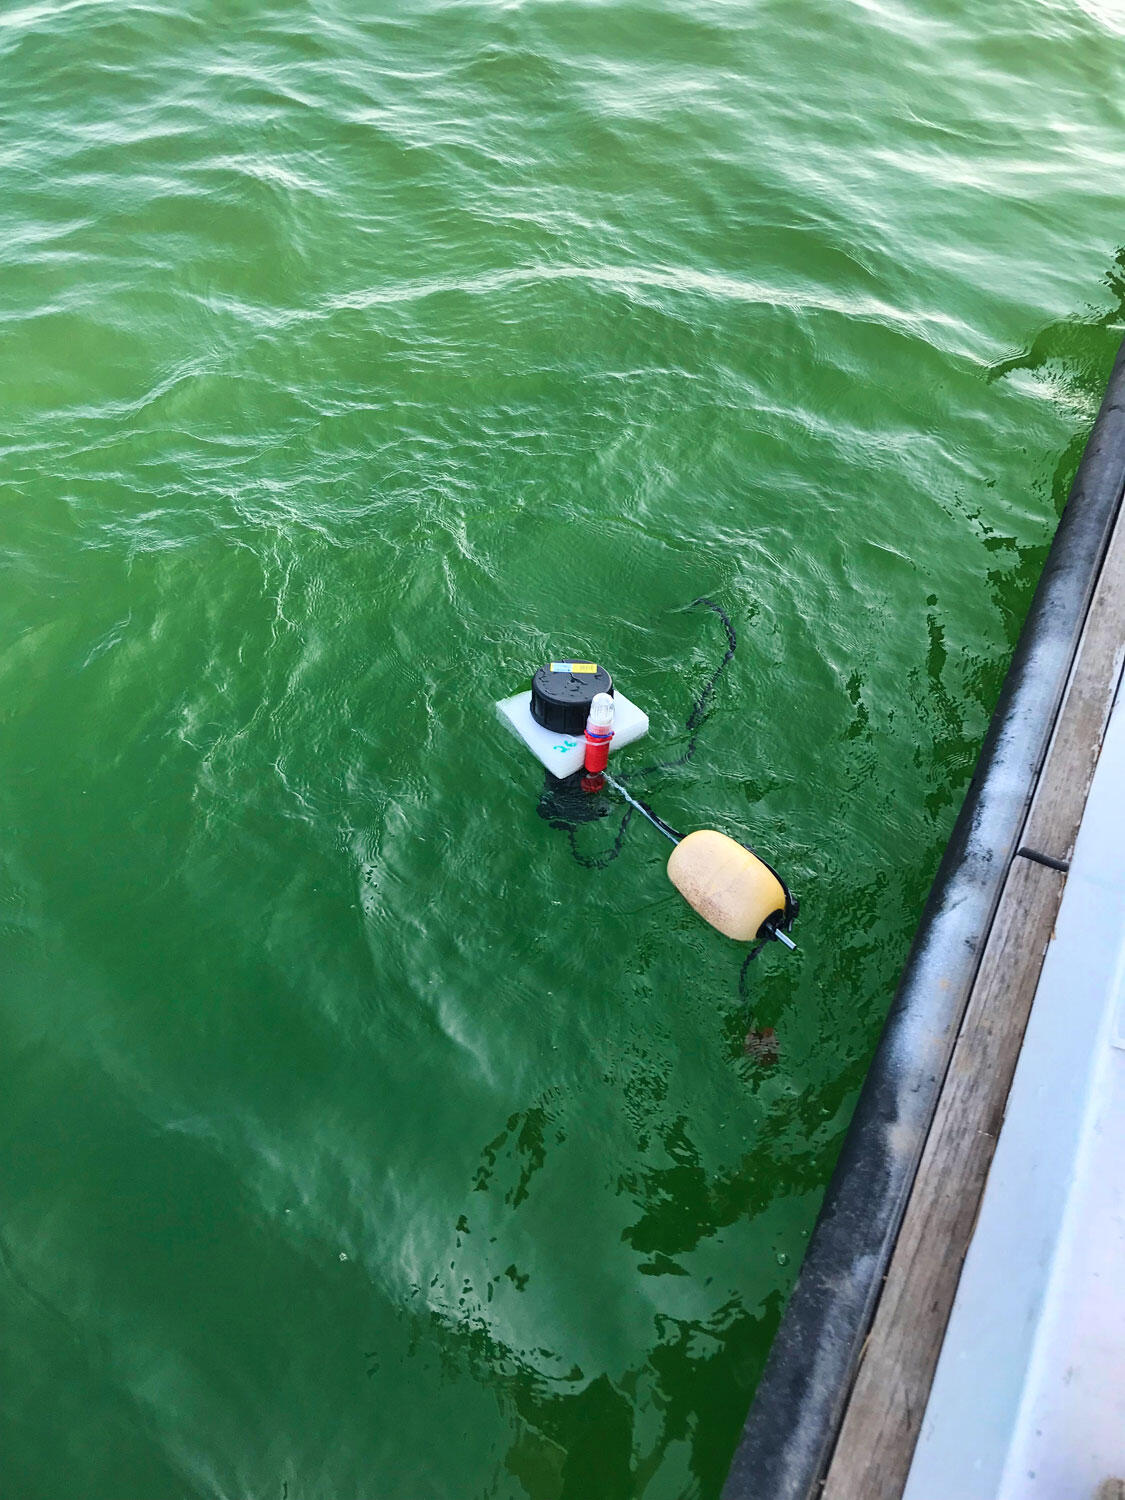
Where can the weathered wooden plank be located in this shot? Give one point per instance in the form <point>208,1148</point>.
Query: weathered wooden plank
<point>1056,809</point>
<point>884,1413</point>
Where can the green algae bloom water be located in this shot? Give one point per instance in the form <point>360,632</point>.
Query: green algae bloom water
<point>355,1139</point>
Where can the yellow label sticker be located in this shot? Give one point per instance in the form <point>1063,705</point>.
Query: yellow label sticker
<point>574,666</point>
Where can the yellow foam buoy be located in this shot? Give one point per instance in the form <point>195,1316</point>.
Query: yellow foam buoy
<point>727,885</point>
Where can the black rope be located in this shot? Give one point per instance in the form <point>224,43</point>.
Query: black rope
<point>744,972</point>
<point>698,716</point>
<point>700,711</point>
<point>607,856</point>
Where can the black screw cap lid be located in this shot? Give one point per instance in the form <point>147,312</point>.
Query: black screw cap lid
<point>561,693</point>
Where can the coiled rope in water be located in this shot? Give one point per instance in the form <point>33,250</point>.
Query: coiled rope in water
<point>696,719</point>
<point>695,722</point>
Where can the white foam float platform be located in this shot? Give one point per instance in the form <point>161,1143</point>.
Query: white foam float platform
<point>563,754</point>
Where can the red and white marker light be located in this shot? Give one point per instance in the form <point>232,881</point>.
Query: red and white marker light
<point>599,733</point>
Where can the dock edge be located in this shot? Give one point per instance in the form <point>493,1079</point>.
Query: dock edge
<point>795,1416</point>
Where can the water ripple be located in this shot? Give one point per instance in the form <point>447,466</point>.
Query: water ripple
<point>354,364</point>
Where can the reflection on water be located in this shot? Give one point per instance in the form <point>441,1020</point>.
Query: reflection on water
<point>1070,359</point>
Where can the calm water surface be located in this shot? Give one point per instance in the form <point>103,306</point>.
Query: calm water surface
<point>355,1140</point>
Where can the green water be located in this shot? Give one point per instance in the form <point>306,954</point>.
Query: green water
<point>355,1141</point>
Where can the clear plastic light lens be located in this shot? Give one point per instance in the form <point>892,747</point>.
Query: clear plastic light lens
<point>601,711</point>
